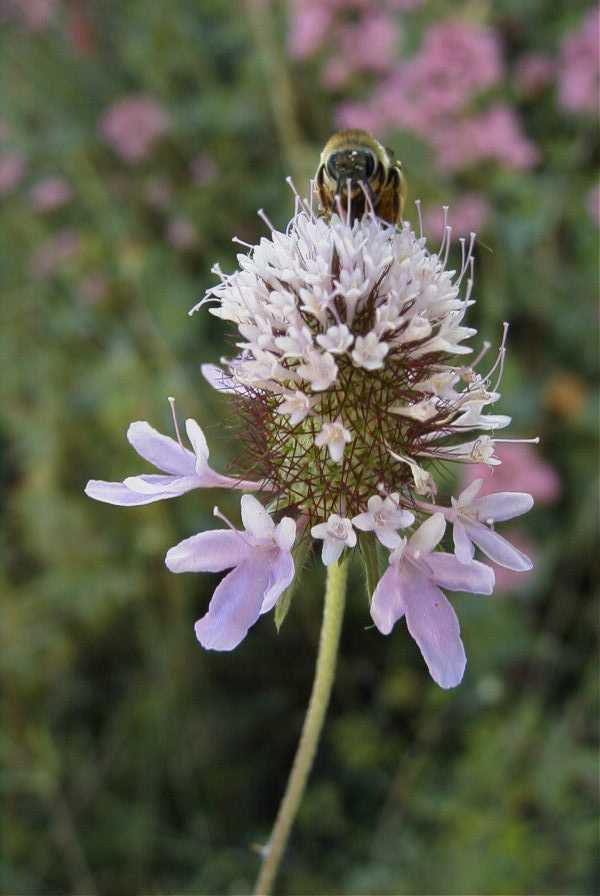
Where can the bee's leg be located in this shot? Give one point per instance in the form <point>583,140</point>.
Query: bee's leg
<point>397,189</point>
<point>324,198</point>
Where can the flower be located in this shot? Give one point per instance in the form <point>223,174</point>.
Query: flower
<point>350,387</point>
<point>336,534</point>
<point>262,568</point>
<point>579,66</point>
<point>12,171</point>
<point>50,193</point>
<point>411,587</point>
<point>383,517</point>
<point>522,467</point>
<point>132,125</point>
<point>335,436</point>
<point>182,469</point>
<point>473,517</point>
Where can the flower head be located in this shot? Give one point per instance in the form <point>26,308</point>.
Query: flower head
<point>350,387</point>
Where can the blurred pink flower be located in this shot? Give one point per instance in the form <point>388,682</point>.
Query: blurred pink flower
<point>522,469</point>
<point>533,72</point>
<point>469,213</point>
<point>36,14</point>
<point>494,135</point>
<point>506,579</point>
<point>50,193</point>
<point>370,44</point>
<point>203,169</point>
<point>181,232</point>
<point>579,67</point>
<point>310,22</point>
<point>593,204</point>
<point>132,125</point>
<point>12,170</point>
<point>60,248</point>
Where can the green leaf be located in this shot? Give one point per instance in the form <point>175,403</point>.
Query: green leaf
<point>300,554</point>
<point>368,551</point>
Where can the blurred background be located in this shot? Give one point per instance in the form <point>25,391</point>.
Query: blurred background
<point>136,138</point>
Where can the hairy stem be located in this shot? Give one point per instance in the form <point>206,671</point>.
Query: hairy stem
<point>333,612</point>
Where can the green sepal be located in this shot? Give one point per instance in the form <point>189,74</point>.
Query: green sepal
<point>300,554</point>
<point>368,552</point>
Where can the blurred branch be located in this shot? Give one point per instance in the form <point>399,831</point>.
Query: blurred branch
<point>279,87</point>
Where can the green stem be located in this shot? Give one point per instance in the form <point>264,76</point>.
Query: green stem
<point>333,612</point>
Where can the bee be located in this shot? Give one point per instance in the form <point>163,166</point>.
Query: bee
<point>353,163</point>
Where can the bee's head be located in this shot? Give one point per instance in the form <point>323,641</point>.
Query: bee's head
<point>354,164</point>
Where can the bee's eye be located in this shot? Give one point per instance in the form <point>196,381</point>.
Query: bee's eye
<point>369,164</point>
<point>332,165</point>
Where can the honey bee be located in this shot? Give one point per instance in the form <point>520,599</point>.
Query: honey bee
<point>354,166</point>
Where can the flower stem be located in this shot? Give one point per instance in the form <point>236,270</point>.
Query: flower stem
<point>333,612</point>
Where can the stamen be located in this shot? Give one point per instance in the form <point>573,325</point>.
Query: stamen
<point>534,441</point>
<point>175,423</point>
<point>236,239</point>
<point>484,350</point>
<point>420,214</point>
<point>368,199</point>
<point>448,237</point>
<point>221,516</point>
<point>348,202</point>
<point>262,215</point>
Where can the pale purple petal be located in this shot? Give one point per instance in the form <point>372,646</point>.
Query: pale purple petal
<point>503,505</point>
<point>434,625</point>
<point>211,551</point>
<point>285,533</point>
<point>161,486</point>
<point>463,546</point>
<point>364,522</point>
<point>255,518</point>
<point>118,493</point>
<point>332,550</point>
<point>387,605</point>
<point>498,548</point>
<point>235,605</point>
<point>449,572</point>
<point>388,538</point>
<point>162,451</point>
<point>222,381</point>
<point>428,535</point>
<point>281,575</point>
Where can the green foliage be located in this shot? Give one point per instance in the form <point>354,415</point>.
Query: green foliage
<point>133,761</point>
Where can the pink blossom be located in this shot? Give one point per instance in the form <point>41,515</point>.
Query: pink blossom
<point>468,214</point>
<point>132,125</point>
<point>50,193</point>
<point>533,72</point>
<point>54,252</point>
<point>492,136</point>
<point>181,232</point>
<point>370,44</point>
<point>579,66</point>
<point>309,24</point>
<point>522,468</point>
<point>37,13</point>
<point>12,170</point>
<point>593,204</point>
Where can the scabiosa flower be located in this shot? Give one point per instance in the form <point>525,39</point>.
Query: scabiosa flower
<point>350,390</point>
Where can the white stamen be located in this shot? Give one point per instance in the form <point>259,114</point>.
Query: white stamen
<point>262,215</point>
<point>171,401</point>
<point>420,214</point>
